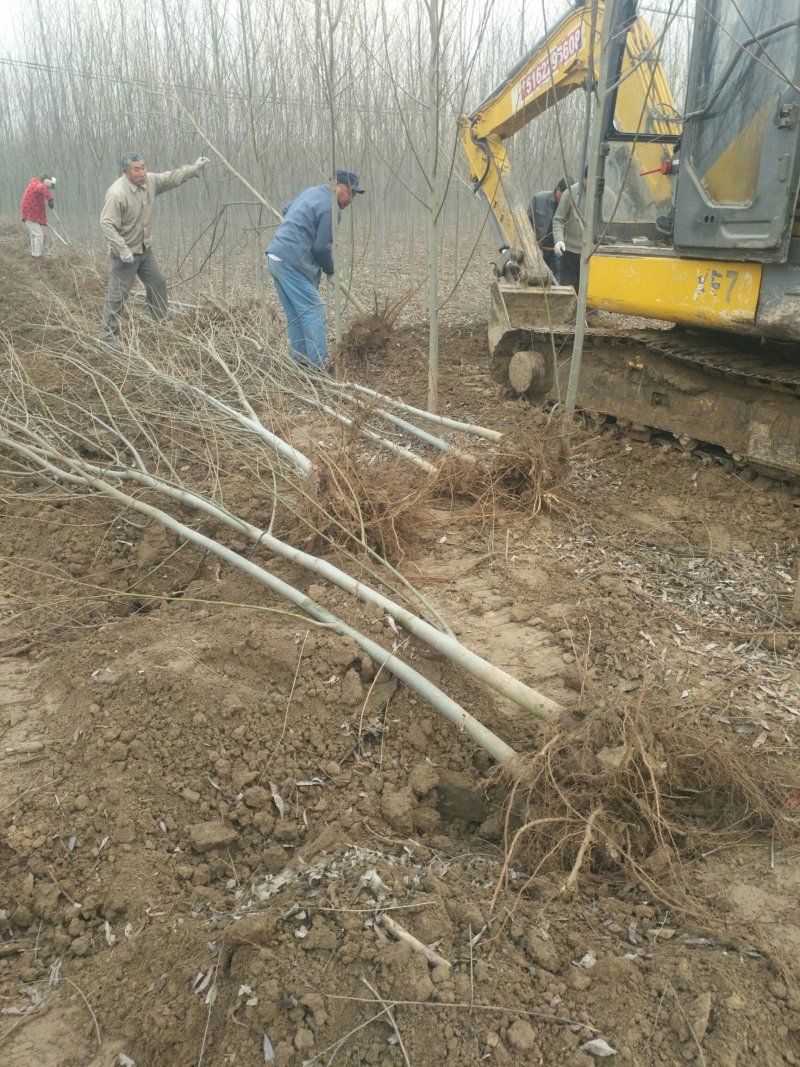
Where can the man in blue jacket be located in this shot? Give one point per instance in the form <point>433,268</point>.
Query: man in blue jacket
<point>301,250</point>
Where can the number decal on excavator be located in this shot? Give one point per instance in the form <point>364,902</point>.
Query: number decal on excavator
<point>710,283</point>
<point>733,275</point>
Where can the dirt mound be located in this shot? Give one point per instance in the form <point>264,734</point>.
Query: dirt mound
<point>33,292</point>
<point>227,836</point>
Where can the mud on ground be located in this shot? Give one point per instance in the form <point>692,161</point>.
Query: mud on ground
<point>208,809</point>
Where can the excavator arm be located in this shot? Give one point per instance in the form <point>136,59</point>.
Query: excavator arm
<point>555,67</point>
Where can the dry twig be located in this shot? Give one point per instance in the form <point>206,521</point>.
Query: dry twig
<point>89,1006</point>
<point>397,931</point>
<point>388,1010</point>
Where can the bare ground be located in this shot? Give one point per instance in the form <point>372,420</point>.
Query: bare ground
<point>219,805</point>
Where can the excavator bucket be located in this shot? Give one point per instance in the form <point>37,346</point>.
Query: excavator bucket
<point>518,316</point>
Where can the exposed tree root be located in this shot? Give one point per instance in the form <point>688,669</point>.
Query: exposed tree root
<point>381,507</point>
<point>528,472</point>
<point>630,794</point>
<point>370,334</point>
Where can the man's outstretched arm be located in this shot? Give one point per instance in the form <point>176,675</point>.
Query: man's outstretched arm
<point>171,179</point>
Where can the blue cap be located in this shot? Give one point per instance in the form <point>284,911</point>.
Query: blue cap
<point>347,177</point>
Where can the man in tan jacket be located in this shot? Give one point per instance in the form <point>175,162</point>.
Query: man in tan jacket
<point>127,222</point>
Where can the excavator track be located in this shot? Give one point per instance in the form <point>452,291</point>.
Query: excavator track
<point>738,366</point>
<point>697,389</point>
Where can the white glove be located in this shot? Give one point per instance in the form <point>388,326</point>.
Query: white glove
<point>127,258</point>
<point>559,248</point>
<point>201,162</point>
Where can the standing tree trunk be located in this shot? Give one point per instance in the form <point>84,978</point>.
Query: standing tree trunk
<point>325,46</point>
<point>434,21</point>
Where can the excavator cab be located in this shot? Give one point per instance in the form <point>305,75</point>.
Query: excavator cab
<point>696,224</point>
<point>737,188</point>
<point>709,226</point>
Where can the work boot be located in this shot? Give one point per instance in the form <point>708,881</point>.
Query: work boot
<point>111,342</point>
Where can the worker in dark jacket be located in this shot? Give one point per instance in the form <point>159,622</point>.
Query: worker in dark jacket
<point>38,196</point>
<point>541,211</point>
<point>300,252</point>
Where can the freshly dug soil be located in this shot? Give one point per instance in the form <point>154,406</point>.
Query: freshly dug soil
<point>215,815</point>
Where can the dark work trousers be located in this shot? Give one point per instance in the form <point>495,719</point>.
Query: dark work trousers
<point>570,273</point>
<point>120,280</point>
<point>554,263</point>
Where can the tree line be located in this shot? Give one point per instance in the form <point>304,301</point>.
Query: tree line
<point>285,91</point>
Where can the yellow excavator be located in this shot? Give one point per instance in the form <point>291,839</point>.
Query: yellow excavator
<point>696,222</point>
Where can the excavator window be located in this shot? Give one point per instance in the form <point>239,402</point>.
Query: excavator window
<point>643,126</point>
<point>740,154</point>
<point>736,96</point>
<point>738,125</point>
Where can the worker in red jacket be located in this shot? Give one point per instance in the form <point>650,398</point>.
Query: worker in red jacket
<point>33,211</point>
